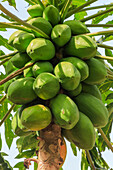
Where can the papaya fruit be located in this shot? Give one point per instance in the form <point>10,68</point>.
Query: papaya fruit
<point>91,89</point>
<point>65,111</point>
<point>51,14</point>
<point>13,36</point>
<point>21,91</point>
<point>41,49</point>
<point>46,86</point>
<point>35,11</point>
<point>82,134</point>
<point>22,40</point>
<point>6,85</point>
<point>81,46</point>
<point>16,129</point>
<point>76,91</point>
<point>20,59</point>
<point>77,27</point>
<point>36,117</point>
<point>28,71</point>
<point>97,72</point>
<point>41,24</point>
<point>68,75</point>
<point>40,67</point>
<point>10,67</point>
<point>61,34</point>
<point>93,108</point>
<point>80,65</point>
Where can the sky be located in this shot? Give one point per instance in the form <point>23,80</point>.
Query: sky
<point>71,162</point>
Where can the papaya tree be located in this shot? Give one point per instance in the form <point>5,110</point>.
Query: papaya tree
<point>56,82</point>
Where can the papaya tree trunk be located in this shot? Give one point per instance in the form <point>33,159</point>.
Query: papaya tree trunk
<point>49,148</point>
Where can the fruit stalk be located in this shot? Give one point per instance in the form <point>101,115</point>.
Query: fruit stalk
<point>90,160</point>
<point>2,99</point>
<point>79,8</point>
<point>105,139</point>
<point>49,148</point>
<point>7,114</point>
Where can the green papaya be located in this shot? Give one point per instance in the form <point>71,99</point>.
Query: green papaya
<point>40,67</point>
<point>93,108</point>
<point>20,59</point>
<point>51,14</point>
<point>13,36</point>
<point>41,24</point>
<point>68,75</point>
<point>97,72</point>
<point>61,34</point>
<point>46,86</point>
<point>65,111</point>
<point>82,134</point>
<point>16,129</point>
<point>28,71</point>
<point>36,117</point>
<point>22,40</point>
<point>76,91</point>
<point>41,49</point>
<point>91,89</point>
<point>35,11</point>
<point>80,65</point>
<point>21,91</point>
<point>81,46</point>
<point>6,85</point>
<point>10,67</point>
<point>77,27</point>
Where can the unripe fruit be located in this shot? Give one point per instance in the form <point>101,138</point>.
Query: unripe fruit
<point>35,11</point>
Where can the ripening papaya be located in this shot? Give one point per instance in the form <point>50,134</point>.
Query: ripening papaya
<point>65,111</point>
<point>51,14</point>
<point>10,67</point>
<point>28,71</point>
<point>80,65</point>
<point>13,36</point>
<point>35,11</point>
<point>41,24</point>
<point>40,67</point>
<point>82,134</point>
<point>46,86</point>
<point>97,72</point>
<point>22,40</point>
<point>68,75</point>
<point>91,89</point>
<point>77,27</point>
<point>16,129</point>
<point>41,49</point>
<point>36,117</point>
<point>93,108</point>
<point>76,91</point>
<point>21,91</point>
<point>61,34</point>
<point>81,46</point>
<point>20,59</point>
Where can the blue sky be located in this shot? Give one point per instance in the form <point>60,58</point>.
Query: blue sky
<point>72,162</point>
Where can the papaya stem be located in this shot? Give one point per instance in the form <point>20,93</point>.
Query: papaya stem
<point>41,4</point>
<point>100,33</point>
<point>10,25</point>
<point>7,114</point>
<point>105,139</point>
<point>11,76</point>
<point>4,61</point>
<point>104,57</point>
<point>71,12</point>
<point>90,160</point>
<point>97,14</point>
<point>96,7</point>
<point>23,22</point>
<point>2,99</point>
<point>99,25</point>
<point>8,55</point>
<point>105,46</point>
<point>64,9</point>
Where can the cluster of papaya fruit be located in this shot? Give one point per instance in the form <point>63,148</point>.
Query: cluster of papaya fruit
<point>62,84</point>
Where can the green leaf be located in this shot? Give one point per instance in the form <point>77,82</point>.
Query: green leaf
<point>1,53</point>
<point>35,166</point>
<point>80,15</point>
<point>26,154</point>
<point>4,42</point>
<point>4,154</point>
<point>0,142</point>
<point>78,3</point>
<point>108,52</point>
<point>73,146</point>
<point>30,2</point>
<point>20,165</point>
<point>11,3</point>
<point>106,86</point>
<point>84,163</point>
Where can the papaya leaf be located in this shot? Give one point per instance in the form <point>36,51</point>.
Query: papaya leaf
<point>108,52</point>
<point>1,52</point>
<point>84,162</point>
<point>30,2</point>
<point>110,108</point>
<point>3,29</point>
<point>104,87</point>
<point>104,97</point>
<point>110,96</point>
<point>79,16</point>
<point>11,3</point>
<point>4,154</point>
<point>20,166</point>
<point>0,142</point>
<point>74,149</point>
<point>78,3</point>
<point>26,154</point>
<point>4,42</point>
